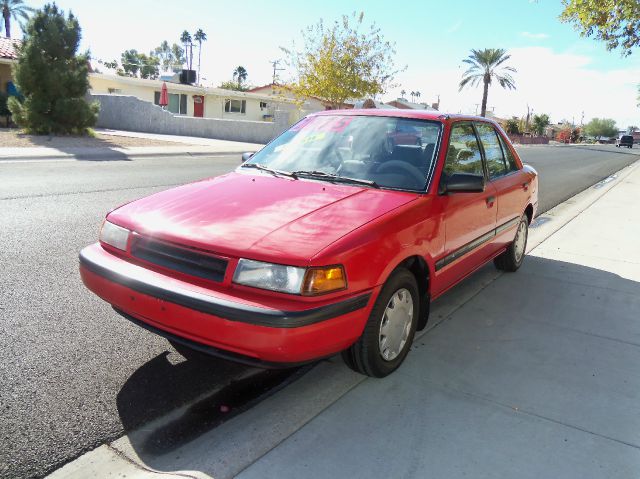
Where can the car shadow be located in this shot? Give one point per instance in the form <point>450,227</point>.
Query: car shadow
<point>191,397</point>
<point>545,299</point>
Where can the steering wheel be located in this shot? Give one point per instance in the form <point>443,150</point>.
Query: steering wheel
<point>407,168</point>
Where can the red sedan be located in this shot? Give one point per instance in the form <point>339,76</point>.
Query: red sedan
<point>335,237</point>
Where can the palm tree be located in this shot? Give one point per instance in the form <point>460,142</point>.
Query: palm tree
<point>15,9</point>
<point>418,95</point>
<point>487,65</point>
<point>199,37</point>
<point>403,93</point>
<point>240,75</point>
<point>185,38</point>
<point>412,95</point>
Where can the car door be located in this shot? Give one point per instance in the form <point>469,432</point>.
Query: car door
<point>469,218</point>
<point>511,184</point>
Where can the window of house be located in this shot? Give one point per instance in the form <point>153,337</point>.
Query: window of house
<point>115,91</point>
<point>177,102</point>
<point>235,106</point>
<point>463,155</point>
<point>263,105</point>
<point>496,165</point>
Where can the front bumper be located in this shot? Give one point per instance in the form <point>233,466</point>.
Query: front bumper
<point>219,321</point>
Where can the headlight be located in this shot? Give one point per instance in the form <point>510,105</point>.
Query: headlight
<point>114,235</point>
<point>289,279</point>
<point>276,277</point>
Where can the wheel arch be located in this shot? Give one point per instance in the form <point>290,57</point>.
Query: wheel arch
<point>418,266</point>
<point>529,212</point>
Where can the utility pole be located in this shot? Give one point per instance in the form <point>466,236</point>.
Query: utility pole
<point>582,120</point>
<point>275,64</point>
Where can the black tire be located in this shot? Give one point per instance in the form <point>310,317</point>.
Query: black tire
<point>510,260</point>
<point>364,356</point>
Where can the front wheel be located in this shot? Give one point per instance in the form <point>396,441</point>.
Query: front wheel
<point>513,257</point>
<point>389,332</point>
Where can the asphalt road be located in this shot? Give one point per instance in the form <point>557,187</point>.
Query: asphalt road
<point>567,170</point>
<point>73,374</point>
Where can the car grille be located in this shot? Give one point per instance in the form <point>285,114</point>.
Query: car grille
<point>194,263</point>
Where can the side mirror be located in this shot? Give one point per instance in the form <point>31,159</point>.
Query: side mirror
<point>246,156</point>
<point>463,183</point>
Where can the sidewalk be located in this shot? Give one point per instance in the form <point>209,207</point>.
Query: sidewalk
<point>179,146</point>
<point>526,375</point>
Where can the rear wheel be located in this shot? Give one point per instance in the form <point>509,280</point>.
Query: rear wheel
<point>513,257</point>
<point>389,332</point>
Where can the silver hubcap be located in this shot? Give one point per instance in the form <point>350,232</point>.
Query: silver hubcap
<point>396,324</point>
<point>520,241</point>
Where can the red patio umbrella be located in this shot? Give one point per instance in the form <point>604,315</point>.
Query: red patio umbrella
<point>164,96</point>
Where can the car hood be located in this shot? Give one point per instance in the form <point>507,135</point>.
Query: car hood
<point>258,216</point>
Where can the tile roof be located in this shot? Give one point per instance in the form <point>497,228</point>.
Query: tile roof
<point>7,48</point>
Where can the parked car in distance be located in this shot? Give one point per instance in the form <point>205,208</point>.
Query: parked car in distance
<point>624,140</point>
<point>335,237</point>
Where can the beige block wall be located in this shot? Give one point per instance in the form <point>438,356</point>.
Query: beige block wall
<point>101,85</point>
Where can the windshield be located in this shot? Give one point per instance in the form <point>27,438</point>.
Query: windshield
<point>380,151</point>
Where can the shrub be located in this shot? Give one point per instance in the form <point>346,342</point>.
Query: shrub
<point>51,76</point>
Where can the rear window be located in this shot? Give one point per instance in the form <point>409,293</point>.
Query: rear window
<point>626,138</point>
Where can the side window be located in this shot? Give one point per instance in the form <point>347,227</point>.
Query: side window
<point>511,161</point>
<point>496,165</point>
<point>463,155</point>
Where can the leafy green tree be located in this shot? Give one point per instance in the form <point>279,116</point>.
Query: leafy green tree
<point>341,61</point>
<point>233,85</point>
<point>615,22</point>
<point>130,60</point>
<point>178,57</point>
<point>164,54</point>
<point>540,122</point>
<point>171,57</point>
<point>15,9</point>
<point>149,66</point>
<point>601,127</point>
<point>199,37</point>
<point>631,129</point>
<point>485,66</point>
<point>139,65</point>
<point>52,77</point>
<point>240,75</point>
<point>512,127</point>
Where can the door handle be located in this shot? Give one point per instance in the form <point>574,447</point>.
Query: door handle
<point>525,186</point>
<point>490,201</point>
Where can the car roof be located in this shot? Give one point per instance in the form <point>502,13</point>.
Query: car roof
<point>402,113</point>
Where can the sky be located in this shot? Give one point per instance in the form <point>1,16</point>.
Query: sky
<point>558,72</point>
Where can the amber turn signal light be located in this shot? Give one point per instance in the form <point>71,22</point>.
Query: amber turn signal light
<point>324,280</point>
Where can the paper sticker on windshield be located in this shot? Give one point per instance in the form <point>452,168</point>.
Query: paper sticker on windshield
<point>333,124</point>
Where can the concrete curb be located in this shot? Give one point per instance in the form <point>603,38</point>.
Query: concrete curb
<point>228,450</point>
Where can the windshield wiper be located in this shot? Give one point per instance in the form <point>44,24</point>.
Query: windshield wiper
<point>260,167</point>
<point>321,175</point>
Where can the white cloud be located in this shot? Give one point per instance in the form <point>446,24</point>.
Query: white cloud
<point>534,36</point>
<point>562,85</point>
